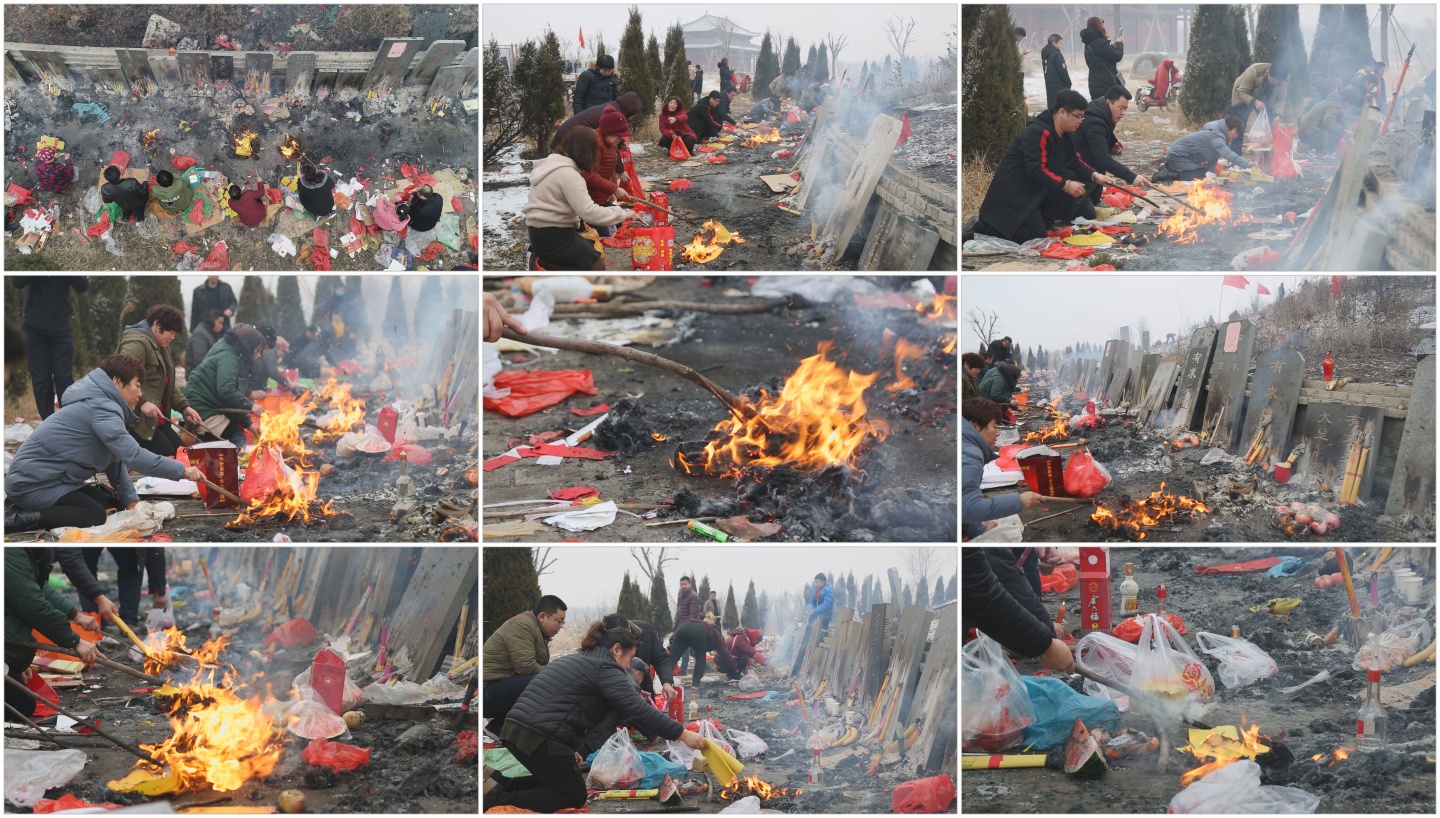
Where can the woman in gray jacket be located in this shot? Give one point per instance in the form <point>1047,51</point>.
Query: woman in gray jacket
<point>48,484</point>
<point>980,430</point>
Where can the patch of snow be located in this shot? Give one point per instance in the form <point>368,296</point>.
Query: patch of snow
<point>511,155</point>
<point>937,106</point>
<point>501,206</point>
<point>506,175</point>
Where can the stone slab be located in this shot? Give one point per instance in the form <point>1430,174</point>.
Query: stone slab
<point>194,69</point>
<point>222,68</point>
<point>440,54</point>
<point>299,72</point>
<point>166,71</point>
<point>135,65</point>
<point>350,79</point>
<point>1157,392</point>
<point>1329,432</point>
<point>52,66</point>
<point>1190,398</point>
<point>12,74</point>
<point>325,79</point>
<point>897,242</point>
<point>1119,374</point>
<point>392,61</point>
<point>1088,376</point>
<point>449,81</point>
<point>430,26</point>
<point>258,67</point>
<point>1274,396</point>
<point>1149,362</point>
<point>1412,486</point>
<point>1116,352</point>
<point>1229,369</point>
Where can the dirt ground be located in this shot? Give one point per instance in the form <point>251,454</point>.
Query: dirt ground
<point>1399,779</point>
<point>913,467</point>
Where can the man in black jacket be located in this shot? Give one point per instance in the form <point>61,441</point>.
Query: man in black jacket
<point>702,119</point>
<point>130,194</point>
<point>1041,178</point>
<point>1057,73</point>
<point>997,599</point>
<point>49,340</point>
<point>722,110</point>
<point>426,208</point>
<point>596,86</point>
<point>1102,57</point>
<point>214,294</point>
<point>698,82</point>
<point>1096,139</point>
<point>133,565</point>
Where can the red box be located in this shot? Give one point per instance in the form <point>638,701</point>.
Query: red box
<point>662,200</point>
<point>652,248</point>
<point>1094,588</point>
<point>1044,474</point>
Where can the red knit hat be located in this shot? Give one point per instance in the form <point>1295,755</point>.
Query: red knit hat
<point>612,123</point>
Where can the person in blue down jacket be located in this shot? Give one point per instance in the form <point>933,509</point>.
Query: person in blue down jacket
<point>48,485</point>
<point>821,604</point>
<point>1193,155</point>
<point>978,512</point>
<point>560,706</point>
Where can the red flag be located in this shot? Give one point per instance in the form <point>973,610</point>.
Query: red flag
<point>1263,289</point>
<point>1238,282</point>
<point>1335,285</point>
<point>904,129</point>
<point>582,36</point>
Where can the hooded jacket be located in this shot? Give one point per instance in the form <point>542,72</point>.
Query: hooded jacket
<point>1095,139</point>
<point>319,198</point>
<point>158,384</point>
<point>31,604</point>
<point>1103,57</point>
<point>558,197</point>
<point>387,217</point>
<point>1200,149</point>
<point>593,88</point>
<point>86,436</point>
<point>821,603</point>
<point>1039,161</point>
<point>129,193</point>
<point>175,199</point>
<point>974,507</point>
<point>217,385</point>
<point>997,386</point>
<point>628,103</point>
<point>1057,73</point>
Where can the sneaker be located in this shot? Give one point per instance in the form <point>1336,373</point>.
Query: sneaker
<point>969,232</point>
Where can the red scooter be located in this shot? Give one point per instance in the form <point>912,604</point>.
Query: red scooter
<point>1162,90</point>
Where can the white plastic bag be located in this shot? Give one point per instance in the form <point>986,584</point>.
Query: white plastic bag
<point>1241,661</point>
<point>311,719</point>
<point>617,765</point>
<point>29,773</point>
<point>748,745</point>
<point>988,246</point>
<point>1258,136</point>
<point>1110,657</point>
<point>996,708</point>
<point>148,227</point>
<point>157,620</point>
<point>281,244</point>
<point>19,431</point>
<point>1165,665</point>
<point>1235,788</point>
<point>1393,647</point>
<point>350,697</point>
<point>711,732</point>
<point>750,683</point>
<point>749,805</point>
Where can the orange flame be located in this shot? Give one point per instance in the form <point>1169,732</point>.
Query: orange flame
<point>817,420</point>
<point>904,350</point>
<point>1214,202</point>
<point>943,306</point>
<point>1132,518</point>
<point>148,138</point>
<point>289,148</point>
<point>1225,751</point>
<point>280,426</point>
<point>1051,434</point>
<point>949,348</point>
<point>751,785</point>
<point>706,246</point>
<point>351,410</point>
<point>658,437</point>
<point>763,138</point>
<point>245,143</point>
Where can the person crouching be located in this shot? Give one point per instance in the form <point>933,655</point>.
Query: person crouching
<point>559,200</point>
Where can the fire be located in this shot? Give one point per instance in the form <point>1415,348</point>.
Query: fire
<point>1224,751</point>
<point>245,143</point>
<point>289,148</point>
<point>904,350</point>
<point>706,246</point>
<point>658,438</point>
<point>280,427</point>
<point>169,648</point>
<point>294,497</point>
<point>1132,518</point>
<point>1052,434</point>
<point>1333,757</point>
<point>818,419</point>
<point>351,410</point>
<point>764,138</point>
<point>750,785</point>
<point>942,307</point>
<point>148,138</point>
<point>949,348</point>
<point>1215,202</point>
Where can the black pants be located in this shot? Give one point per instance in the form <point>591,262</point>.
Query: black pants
<point>1059,206</point>
<point>82,508</point>
<point>130,578</point>
<point>1165,175</point>
<point>51,358</point>
<point>138,214</point>
<point>687,139</point>
<point>1241,112</point>
<point>499,696</point>
<point>15,698</point>
<point>691,636</point>
<point>561,248</point>
<point>554,783</point>
<point>165,442</point>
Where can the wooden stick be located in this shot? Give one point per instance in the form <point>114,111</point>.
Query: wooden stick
<point>734,405</point>
<point>1049,516</point>
<point>214,600</point>
<point>113,665</point>
<point>682,522</point>
<point>1349,583</point>
<point>637,307</point>
<point>1044,499</point>
<point>144,649</point>
<point>100,731</point>
<point>216,513</point>
<point>460,631</point>
<point>223,493</point>
<point>1080,442</point>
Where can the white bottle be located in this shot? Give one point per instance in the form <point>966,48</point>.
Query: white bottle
<point>1130,592</point>
<point>566,289</point>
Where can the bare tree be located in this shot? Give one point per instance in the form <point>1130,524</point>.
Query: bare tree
<point>922,564</point>
<point>726,31</point>
<point>541,559</point>
<point>900,33</point>
<point>983,324</point>
<point>836,45</point>
<point>651,567</point>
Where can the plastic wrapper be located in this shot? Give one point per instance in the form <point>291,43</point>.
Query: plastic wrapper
<point>617,765</point>
<point>335,755</point>
<point>1057,706</point>
<point>1241,661</point>
<point>351,697</point>
<point>19,431</point>
<point>1165,665</point>
<point>29,773</point>
<point>149,227</point>
<point>989,246</point>
<point>1391,648</point>
<point>1110,657</point>
<point>1084,476</point>
<point>219,258</point>
<point>747,745</point>
<point>1130,629</point>
<point>710,729</point>
<point>312,719</point>
<point>1236,788</point>
<point>996,709</point>
<point>1062,579</point>
<point>749,805</point>
<point>292,634</point>
<point>438,687</point>
<point>924,795</point>
<point>749,683</point>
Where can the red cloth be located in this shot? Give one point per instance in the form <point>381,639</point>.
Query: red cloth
<point>535,389</point>
<point>1239,282</point>
<point>1066,251</point>
<point>574,493</point>
<point>1263,289</point>
<point>1239,567</point>
<point>197,213</point>
<point>1335,285</point>
<point>1062,579</point>
<point>1113,229</point>
<point>905,129</point>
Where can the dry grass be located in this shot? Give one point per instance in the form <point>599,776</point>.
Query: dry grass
<point>20,405</point>
<point>975,178</point>
<point>1382,321</point>
<point>647,133</point>
<point>1137,126</point>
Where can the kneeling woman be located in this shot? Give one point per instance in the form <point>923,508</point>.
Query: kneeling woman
<point>148,341</point>
<point>559,200</point>
<point>564,702</point>
<point>47,484</point>
<point>218,388</point>
<point>675,123</point>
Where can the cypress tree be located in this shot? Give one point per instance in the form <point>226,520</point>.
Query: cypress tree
<point>633,604</point>
<point>396,328</point>
<point>1216,58</point>
<point>1327,30</point>
<point>553,103</point>
<point>97,318</point>
<point>750,610</point>
<point>938,595</point>
<point>635,65</point>
<point>922,592</point>
<point>324,288</point>
<point>790,62</point>
<point>677,67</point>
<point>256,302</point>
<point>704,589</point>
<point>909,596</point>
<point>810,58</point>
<point>992,112</point>
<point>511,586</point>
<point>1278,40</point>
<point>429,306</point>
<point>289,315</point>
<point>950,588</point>
<point>1352,43</point>
<point>732,616</point>
<point>359,315</point>
<point>599,45</point>
<point>528,76</point>
<point>822,64</point>
<point>660,615</point>
<point>765,66</point>
<point>657,67</point>
<point>850,590</point>
<point>764,611</point>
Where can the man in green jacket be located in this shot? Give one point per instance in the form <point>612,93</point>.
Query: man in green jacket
<point>31,604</point>
<point>973,365</point>
<point>149,342</point>
<point>999,384</point>
<point>217,387</point>
<point>269,367</point>
<point>516,653</point>
<point>175,196</point>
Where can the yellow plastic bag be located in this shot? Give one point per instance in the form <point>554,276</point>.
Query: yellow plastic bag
<point>1090,239</point>
<point>722,764</point>
<point>49,142</point>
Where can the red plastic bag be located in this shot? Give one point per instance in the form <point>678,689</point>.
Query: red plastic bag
<point>717,159</point>
<point>535,389</point>
<point>101,226</point>
<point>925,795</point>
<point>681,184</point>
<point>68,802</point>
<point>1062,233</point>
<point>1117,199</point>
<point>1084,477</point>
<point>183,163</point>
<point>678,151</point>
<point>292,634</point>
<point>1062,579</point>
<point>574,493</point>
<point>38,685</point>
<point>1262,564</point>
<point>197,213</point>
<point>336,755</point>
<point>1066,251</point>
<point>181,248</point>
<point>416,455</point>
<point>219,258</point>
<point>594,410</point>
<point>1112,229</point>
<point>1282,143</point>
<point>1007,457</point>
<point>1130,629</point>
<point>267,475</point>
<point>467,746</point>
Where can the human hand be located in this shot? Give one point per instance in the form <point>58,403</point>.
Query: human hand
<point>693,740</point>
<point>257,409</point>
<point>88,652</point>
<point>1143,180</point>
<point>989,524</point>
<point>88,623</point>
<point>25,676</point>
<point>1120,39</point>
<point>105,607</point>
<point>1057,657</point>
<point>1059,631</point>
<point>258,394</point>
<point>150,410</point>
<point>192,415</point>
<point>1259,105</point>
<point>192,473</point>
<point>159,602</point>
<point>1029,499</point>
<point>132,504</point>
<point>668,690</point>
<point>229,313</point>
<point>497,319</point>
<point>1074,189</point>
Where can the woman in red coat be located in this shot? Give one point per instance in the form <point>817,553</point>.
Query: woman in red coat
<point>675,122</point>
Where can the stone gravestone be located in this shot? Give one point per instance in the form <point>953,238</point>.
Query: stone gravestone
<point>437,56</point>
<point>897,242</point>
<point>258,65</point>
<point>1190,400</point>
<point>166,71</point>
<point>52,67</point>
<point>392,62</point>
<point>1107,367</point>
<point>1335,436</point>
<point>1090,374</point>
<point>1412,487</point>
<point>194,69</point>
<point>430,26</point>
<point>299,72</point>
<point>1149,362</point>
<point>1275,389</point>
<point>1132,395</point>
<point>222,68</point>
<point>1157,393</point>
<point>1119,374</point>
<point>136,68</point>
<point>1229,369</point>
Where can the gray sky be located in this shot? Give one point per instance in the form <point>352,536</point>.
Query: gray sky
<point>586,576</point>
<point>863,23</point>
<point>1057,311</point>
<point>376,288</point>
